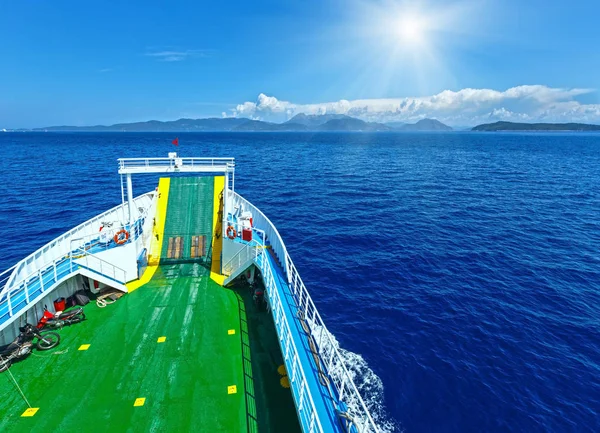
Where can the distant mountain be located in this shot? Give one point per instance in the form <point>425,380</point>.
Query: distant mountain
<point>181,125</point>
<point>421,125</point>
<point>314,120</point>
<point>258,125</point>
<point>395,125</point>
<point>426,125</point>
<point>300,122</point>
<point>351,124</point>
<point>313,123</point>
<point>512,126</point>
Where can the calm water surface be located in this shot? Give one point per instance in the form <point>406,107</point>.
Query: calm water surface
<point>463,268</point>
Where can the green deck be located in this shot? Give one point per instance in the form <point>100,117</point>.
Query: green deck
<point>185,379</point>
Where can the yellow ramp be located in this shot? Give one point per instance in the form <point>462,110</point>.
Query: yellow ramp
<point>217,240</point>
<point>157,235</point>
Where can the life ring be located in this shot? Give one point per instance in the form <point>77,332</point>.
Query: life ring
<point>120,240</point>
<point>231,233</point>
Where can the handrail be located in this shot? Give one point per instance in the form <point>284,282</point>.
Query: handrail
<point>39,273</point>
<point>343,379</point>
<point>198,158</point>
<point>238,229</point>
<point>260,219</point>
<point>289,349</point>
<point>7,270</point>
<point>327,348</point>
<point>242,256</point>
<point>58,242</point>
<point>4,276</point>
<point>129,163</point>
<point>143,215</point>
<point>87,256</point>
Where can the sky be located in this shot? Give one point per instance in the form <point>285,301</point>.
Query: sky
<point>463,62</point>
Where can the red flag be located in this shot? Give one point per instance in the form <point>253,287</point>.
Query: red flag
<point>176,141</point>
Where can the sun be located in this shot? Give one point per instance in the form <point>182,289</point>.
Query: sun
<point>412,29</point>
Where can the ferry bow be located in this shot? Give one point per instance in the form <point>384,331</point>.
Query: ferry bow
<point>123,249</point>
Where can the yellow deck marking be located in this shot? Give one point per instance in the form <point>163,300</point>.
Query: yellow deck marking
<point>231,332</point>
<point>156,244</point>
<point>161,339</point>
<point>31,411</point>
<point>232,389</point>
<point>217,243</point>
<point>139,401</point>
<point>217,278</point>
<point>84,347</point>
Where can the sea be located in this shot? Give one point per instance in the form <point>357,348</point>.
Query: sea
<point>459,272</point>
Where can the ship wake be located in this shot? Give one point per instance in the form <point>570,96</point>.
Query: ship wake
<point>368,384</point>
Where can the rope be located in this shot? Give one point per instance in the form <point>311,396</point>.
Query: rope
<point>349,420</point>
<point>16,384</point>
<point>315,352</point>
<point>104,300</point>
<point>322,375</point>
<point>60,352</point>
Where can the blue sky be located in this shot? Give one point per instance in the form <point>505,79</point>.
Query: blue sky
<point>82,63</point>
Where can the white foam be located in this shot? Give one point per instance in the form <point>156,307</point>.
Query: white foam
<point>368,384</point>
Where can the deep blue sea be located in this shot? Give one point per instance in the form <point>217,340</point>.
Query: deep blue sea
<point>464,268</point>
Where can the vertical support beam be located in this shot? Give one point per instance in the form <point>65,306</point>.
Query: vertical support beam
<point>122,199</point>
<point>225,207</point>
<point>132,214</point>
<point>130,198</point>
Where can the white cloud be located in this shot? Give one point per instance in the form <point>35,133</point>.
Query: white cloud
<point>175,55</point>
<point>464,107</point>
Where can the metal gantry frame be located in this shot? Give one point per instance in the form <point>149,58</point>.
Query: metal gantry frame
<point>174,164</point>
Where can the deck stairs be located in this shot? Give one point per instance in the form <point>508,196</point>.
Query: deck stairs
<point>26,292</point>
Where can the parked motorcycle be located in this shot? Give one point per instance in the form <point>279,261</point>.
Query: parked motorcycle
<point>52,320</point>
<point>23,345</point>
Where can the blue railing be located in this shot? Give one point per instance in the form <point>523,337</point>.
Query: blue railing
<point>310,351</point>
<point>28,290</point>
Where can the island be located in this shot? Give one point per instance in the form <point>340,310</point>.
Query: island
<point>513,126</point>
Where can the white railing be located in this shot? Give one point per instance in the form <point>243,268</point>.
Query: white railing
<point>334,363</point>
<point>148,225</point>
<point>31,278</point>
<point>255,231</point>
<point>261,221</point>
<point>88,261</point>
<point>4,276</point>
<point>99,266</point>
<point>141,164</point>
<point>61,246</point>
<point>330,358</point>
<point>247,253</point>
<point>307,412</point>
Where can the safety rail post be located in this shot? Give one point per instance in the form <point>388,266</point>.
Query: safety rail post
<point>26,292</point>
<point>10,312</point>
<point>41,280</point>
<point>341,390</point>
<point>312,422</point>
<point>302,389</point>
